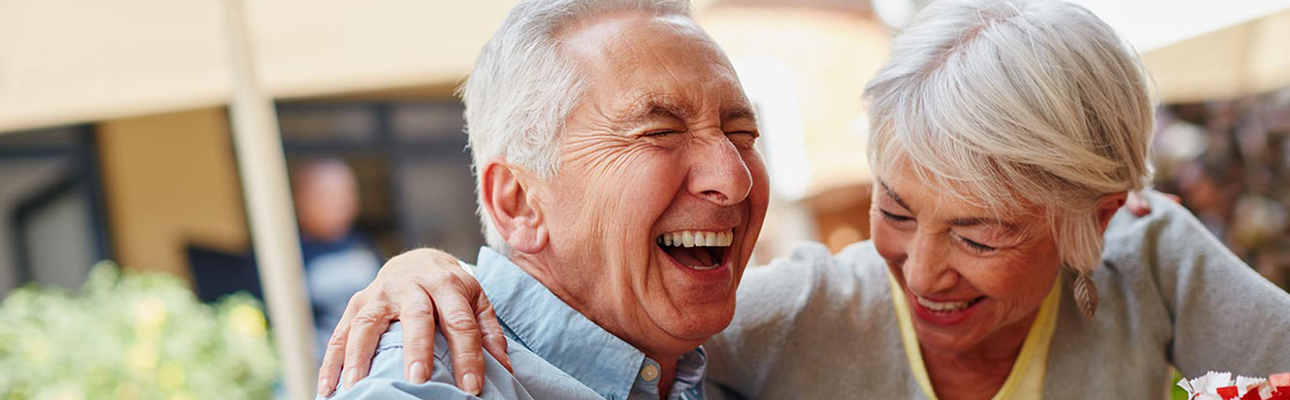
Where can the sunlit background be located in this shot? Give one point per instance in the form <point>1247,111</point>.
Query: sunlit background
<point>162,134</point>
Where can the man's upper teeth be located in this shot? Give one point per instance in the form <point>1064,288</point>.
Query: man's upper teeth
<point>697,238</point>
<point>943,305</point>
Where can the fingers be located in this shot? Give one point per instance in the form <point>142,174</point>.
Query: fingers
<point>1137,204</point>
<point>417,314</point>
<point>458,324</point>
<point>364,335</point>
<point>404,279</point>
<point>329,372</point>
<point>494,339</point>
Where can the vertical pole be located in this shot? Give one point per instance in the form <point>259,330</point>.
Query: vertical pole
<point>258,145</point>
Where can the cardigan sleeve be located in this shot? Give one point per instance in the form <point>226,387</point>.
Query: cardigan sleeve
<point>1225,316</point>
<point>771,297</point>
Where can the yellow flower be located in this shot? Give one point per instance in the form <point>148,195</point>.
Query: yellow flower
<point>171,375</point>
<point>182,395</point>
<point>141,357</point>
<point>62,392</point>
<point>247,320</point>
<point>149,314</point>
<point>37,350</point>
<point>127,390</point>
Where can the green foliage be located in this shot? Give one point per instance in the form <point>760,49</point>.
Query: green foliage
<point>1177,393</point>
<point>133,336</point>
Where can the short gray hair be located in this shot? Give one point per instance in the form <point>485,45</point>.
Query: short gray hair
<point>522,87</point>
<point>1007,103</point>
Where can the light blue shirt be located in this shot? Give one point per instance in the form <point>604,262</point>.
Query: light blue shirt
<point>556,352</point>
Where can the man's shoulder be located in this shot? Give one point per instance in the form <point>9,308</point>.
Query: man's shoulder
<point>390,348</point>
<point>533,378</point>
<point>386,377</point>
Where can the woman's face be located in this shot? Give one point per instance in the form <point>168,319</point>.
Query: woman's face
<point>974,280</point>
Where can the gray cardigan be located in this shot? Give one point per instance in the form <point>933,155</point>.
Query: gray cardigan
<point>821,326</point>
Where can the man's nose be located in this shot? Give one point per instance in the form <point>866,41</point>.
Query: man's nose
<point>718,172</point>
<point>927,265</point>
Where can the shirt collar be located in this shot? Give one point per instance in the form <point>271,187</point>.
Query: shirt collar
<point>562,336</point>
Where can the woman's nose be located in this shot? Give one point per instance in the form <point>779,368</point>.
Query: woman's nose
<point>927,266</point>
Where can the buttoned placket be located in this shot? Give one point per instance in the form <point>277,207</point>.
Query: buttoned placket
<point>646,386</point>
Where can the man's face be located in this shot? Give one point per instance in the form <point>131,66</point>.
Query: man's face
<point>659,149</point>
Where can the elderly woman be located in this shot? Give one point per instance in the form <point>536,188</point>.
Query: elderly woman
<point>1006,134</point>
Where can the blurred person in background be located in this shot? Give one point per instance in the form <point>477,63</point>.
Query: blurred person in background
<point>339,261</point>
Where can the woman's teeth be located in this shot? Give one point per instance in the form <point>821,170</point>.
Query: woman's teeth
<point>697,239</point>
<point>945,306</point>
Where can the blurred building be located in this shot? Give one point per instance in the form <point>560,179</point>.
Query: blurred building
<point>1229,161</point>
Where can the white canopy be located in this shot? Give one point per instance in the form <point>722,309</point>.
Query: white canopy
<point>1203,49</point>
<point>68,61</point>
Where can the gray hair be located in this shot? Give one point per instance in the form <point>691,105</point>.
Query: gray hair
<point>522,87</point>
<point>1009,103</point>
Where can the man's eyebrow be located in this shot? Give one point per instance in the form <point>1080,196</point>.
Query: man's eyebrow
<point>647,108</point>
<point>892,194</point>
<point>739,111</point>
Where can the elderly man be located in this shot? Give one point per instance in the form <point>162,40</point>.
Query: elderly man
<point>621,195</point>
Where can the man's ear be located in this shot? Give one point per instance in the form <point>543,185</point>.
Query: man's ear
<point>512,206</point>
<point>1107,206</point>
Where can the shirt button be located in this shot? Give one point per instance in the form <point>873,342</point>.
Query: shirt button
<point>649,373</point>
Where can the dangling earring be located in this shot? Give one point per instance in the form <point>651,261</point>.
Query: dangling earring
<point>1085,293</point>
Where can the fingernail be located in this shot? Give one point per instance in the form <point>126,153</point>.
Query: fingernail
<point>324,387</point>
<point>417,373</point>
<point>470,383</point>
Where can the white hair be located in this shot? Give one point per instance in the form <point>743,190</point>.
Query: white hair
<point>1009,103</point>
<point>522,87</point>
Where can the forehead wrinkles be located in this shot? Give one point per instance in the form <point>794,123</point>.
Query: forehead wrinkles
<point>721,108</point>
<point>655,65</point>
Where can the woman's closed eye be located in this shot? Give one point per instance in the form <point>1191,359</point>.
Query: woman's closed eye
<point>894,218</point>
<point>975,246</point>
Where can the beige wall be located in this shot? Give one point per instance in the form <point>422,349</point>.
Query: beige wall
<point>171,180</point>
<point>831,55</point>
<point>806,69</point>
<point>1224,64</point>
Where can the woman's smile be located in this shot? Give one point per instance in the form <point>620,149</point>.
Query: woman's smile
<point>945,313</point>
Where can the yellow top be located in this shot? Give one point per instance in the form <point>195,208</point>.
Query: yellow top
<point>1026,381</point>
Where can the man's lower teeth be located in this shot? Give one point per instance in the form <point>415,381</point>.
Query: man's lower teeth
<point>703,267</point>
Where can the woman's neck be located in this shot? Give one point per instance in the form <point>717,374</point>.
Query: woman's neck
<point>978,373</point>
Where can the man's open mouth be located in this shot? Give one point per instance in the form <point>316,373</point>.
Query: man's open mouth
<point>698,250</point>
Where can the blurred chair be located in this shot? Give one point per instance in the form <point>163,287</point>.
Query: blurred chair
<point>218,273</point>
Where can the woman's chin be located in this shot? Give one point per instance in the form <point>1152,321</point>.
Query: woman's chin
<point>939,340</point>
